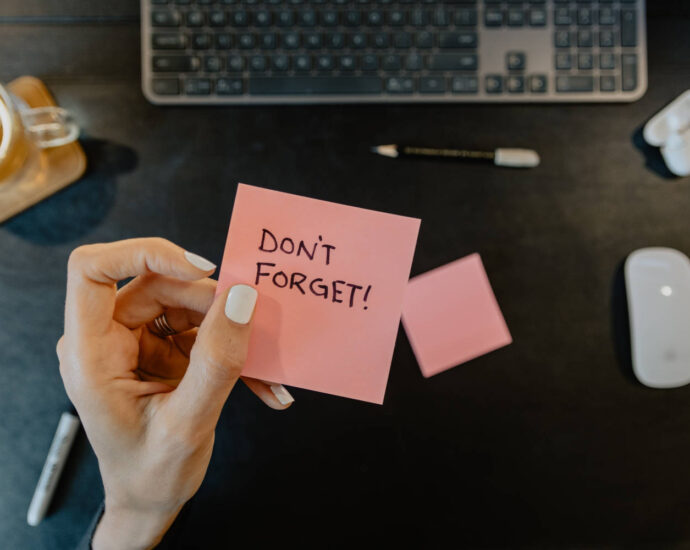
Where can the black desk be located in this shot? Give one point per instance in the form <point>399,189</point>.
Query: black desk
<point>548,442</point>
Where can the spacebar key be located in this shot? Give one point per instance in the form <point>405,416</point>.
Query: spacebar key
<point>314,85</point>
<point>574,83</point>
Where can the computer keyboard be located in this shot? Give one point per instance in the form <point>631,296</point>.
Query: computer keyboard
<point>339,51</point>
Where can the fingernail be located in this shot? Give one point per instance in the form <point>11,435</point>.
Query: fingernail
<point>199,262</point>
<point>282,394</point>
<point>240,304</point>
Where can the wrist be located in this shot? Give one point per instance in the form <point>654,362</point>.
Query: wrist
<point>130,529</point>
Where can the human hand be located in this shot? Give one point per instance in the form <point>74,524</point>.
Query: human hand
<point>150,405</point>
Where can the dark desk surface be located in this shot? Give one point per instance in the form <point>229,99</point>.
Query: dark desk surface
<point>548,442</point>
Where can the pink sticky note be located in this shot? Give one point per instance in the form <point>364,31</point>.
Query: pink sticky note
<point>331,280</point>
<point>451,315</point>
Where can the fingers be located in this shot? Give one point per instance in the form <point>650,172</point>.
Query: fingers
<point>274,395</point>
<point>217,357</point>
<point>93,271</point>
<point>147,296</point>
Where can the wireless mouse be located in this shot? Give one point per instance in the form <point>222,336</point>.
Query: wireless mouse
<point>657,284</point>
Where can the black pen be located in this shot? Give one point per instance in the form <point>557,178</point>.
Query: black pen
<point>513,158</point>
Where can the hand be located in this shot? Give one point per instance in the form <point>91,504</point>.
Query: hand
<point>150,405</point>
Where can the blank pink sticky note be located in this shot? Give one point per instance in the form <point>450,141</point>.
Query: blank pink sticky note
<point>331,280</point>
<point>450,315</point>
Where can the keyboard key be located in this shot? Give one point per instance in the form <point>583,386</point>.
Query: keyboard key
<point>175,63</point>
<point>216,18</point>
<point>585,61</point>
<point>257,63</point>
<point>466,17</point>
<point>537,17</point>
<point>562,16</point>
<point>358,40</point>
<point>213,64</point>
<point>607,16</point>
<point>399,85</point>
<point>402,40</point>
<point>584,16</point>
<point>229,86</point>
<point>452,62</point>
<point>380,40</point>
<point>197,86</point>
<point>464,84</point>
<point>515,84</point>
<point>353,18</point>
<point>166,86</point>
<point>424,40</point>
<point>315,85</point>
<point>262,18</point>
<point>235,63</point>
<point>585,38</point>
<point>324,62</point>
<point>168,41</point>
<point>607,83</point>
<point>280,63</point>
<point>375,18</point>
<point>561,39</point>
<point>285,18</point>
<point>493,83</point>
<point>516,17</point>
<point>414,62</point>
<point>291,40</point>
<point>516,61</point>
<point>419,17</point>
<point>167,18</point>
<point>239,18</point>
<point>312,40</point>
<point>457,40</point>
<point>441,17</point>
<point>396,18</point>
<point>493,17</point>
<point>347,62</point>
<point>201,41</point>
<point>391,62</point>
<point>302,62</point>
<point>268,41</point>
<point>606,39</point>
<point>329,18</point>
<point>246,41</point>
<point>432,85</point>
<point>223,41</point>
<point>628,29</point>
<point>607,61</point>
<point>306,18</point>
<point>335,40</point>
<point>571,83</point>
<point>564,62</point>
<point>629,72</point>
<point>537,83</point>
<point>370,62</point>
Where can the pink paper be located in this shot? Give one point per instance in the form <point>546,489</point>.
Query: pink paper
<point>341,343</point>
<point>451,315</point>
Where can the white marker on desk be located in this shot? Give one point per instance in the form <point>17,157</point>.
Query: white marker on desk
<point>513,158</point>
<point>55,462</point>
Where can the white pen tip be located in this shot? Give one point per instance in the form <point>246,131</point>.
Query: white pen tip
<point>386,150</point>
<point>516,158</point>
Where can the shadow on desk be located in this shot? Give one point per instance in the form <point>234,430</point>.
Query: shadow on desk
<point>653,159</point>
<point>620,324</point>
<point>77,209</point>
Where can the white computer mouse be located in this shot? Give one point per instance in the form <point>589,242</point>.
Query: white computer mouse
<point>657,282</point>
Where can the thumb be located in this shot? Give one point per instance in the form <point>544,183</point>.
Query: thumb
<point>217,357</point>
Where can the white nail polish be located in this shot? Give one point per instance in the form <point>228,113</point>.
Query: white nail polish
<point>240,303</point>
<point>199,262</point>
<point>282,394</point>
